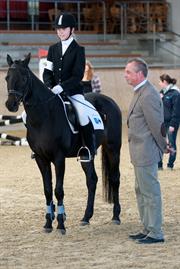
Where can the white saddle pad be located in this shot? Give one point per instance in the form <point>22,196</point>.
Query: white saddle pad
<point>93,115</point>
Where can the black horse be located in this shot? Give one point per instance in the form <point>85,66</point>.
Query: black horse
<point>52,140</point>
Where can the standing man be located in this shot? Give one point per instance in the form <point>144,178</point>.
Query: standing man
<point>147,143</point>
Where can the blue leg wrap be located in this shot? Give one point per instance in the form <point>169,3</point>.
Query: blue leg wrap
<point>50,210</point>
<point>60,209</point>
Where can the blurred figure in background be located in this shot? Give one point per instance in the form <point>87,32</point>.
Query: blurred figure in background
<point>170,94</point>
<point>91,81</point>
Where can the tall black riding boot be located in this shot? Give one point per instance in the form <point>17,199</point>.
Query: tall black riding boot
<point>87,152</point>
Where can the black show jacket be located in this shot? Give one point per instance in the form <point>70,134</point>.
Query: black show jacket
<point>67,69</point>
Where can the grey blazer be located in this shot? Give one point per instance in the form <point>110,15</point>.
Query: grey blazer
<point>145,118</point>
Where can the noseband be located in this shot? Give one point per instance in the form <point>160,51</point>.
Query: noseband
<point>14,92</point>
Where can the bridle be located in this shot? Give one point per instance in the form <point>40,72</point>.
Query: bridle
<point>20,96</point>
<point>16,93</point>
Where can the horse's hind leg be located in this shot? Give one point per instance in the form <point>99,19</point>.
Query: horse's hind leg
<point>91,182</point>
<point>46,173</point>
<point>111,179</point>
<point>115,181</point>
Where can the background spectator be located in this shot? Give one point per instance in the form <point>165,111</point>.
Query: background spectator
<point>91,81</point>
<point>169,94</point>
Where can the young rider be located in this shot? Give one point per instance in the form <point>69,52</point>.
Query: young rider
<point>64,71</point>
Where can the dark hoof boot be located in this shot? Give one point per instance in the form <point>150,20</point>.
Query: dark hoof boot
<point>60,227</point>
<point>48,225</point>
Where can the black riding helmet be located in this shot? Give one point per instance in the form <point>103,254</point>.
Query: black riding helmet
<point>64,20</point>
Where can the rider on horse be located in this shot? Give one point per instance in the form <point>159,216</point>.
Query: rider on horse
<point>64,71</point>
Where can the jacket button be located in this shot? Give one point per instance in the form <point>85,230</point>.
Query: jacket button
<point>59,69</point>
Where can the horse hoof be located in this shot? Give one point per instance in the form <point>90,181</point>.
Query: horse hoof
<point>84,223</point>
<point>62,231</point>
<point>116,222</point>
<point>48,230</point>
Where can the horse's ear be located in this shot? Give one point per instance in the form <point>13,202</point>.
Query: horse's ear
<point>27,59</point>
<point>9,60</point>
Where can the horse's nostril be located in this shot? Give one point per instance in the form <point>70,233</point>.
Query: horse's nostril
<point>12,107</point>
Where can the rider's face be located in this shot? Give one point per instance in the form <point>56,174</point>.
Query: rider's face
<point>64,33</point>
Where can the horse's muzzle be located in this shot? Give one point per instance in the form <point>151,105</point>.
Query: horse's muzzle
<point>12,105</point>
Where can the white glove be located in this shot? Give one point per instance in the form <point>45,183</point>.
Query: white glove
<point>57,89</point>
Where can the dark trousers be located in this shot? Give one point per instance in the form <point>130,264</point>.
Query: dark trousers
<point>172,141</point>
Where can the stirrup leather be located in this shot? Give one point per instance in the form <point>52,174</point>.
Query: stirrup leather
<point>84,154</point>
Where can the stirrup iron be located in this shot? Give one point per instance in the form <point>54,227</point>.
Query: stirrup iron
<point>84,155</point>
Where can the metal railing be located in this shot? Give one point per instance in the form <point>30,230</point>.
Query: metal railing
<point>169,48</point>
<point>122,17</point>
<point>33,14</point>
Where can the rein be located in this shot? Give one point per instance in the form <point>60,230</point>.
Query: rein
<point>41,103</point>
<point>28,86</point>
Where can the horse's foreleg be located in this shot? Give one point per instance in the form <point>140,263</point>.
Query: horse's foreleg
<point>46,173</point>
<point>91,182</point>
<point>59,193</point>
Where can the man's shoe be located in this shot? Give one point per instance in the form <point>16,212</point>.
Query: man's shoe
<point>137,236</point>
<point>150,240</point>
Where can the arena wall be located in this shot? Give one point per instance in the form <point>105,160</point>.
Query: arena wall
<point>115,85</point>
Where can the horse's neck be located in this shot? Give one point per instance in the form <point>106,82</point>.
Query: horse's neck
<point>40,93</point>
<point>41,104</point>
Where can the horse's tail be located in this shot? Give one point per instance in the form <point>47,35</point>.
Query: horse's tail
<point>110,171</point>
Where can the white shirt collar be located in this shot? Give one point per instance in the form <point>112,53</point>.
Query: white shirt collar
<point>140,85</point>
<point>66,43</point>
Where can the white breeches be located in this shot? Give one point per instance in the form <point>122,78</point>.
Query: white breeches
<point>81,106</point>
